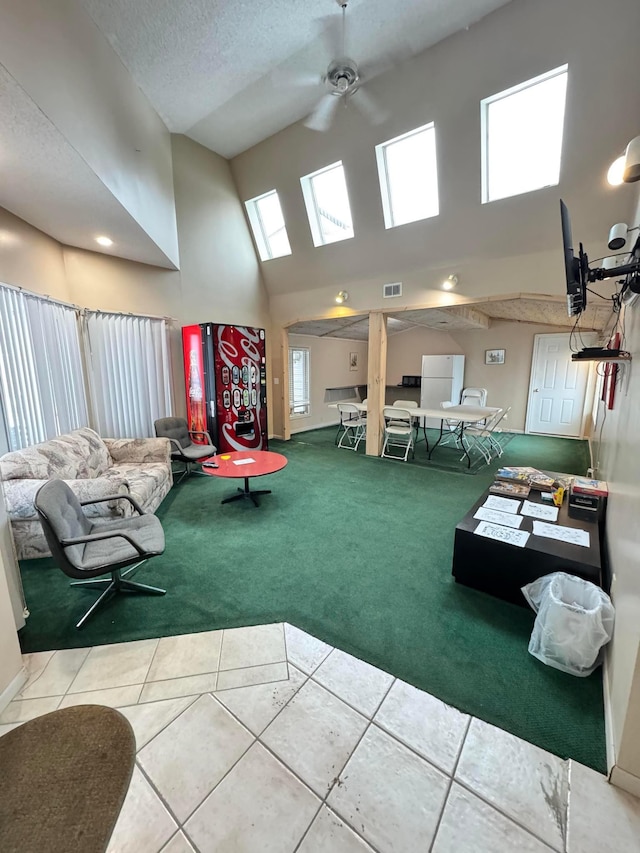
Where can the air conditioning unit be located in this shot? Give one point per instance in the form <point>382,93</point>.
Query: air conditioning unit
<point>393,289</point>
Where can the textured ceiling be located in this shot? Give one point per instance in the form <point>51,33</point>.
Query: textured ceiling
<point>48,184</point>
<point>549,311</point>
<point>220,71</point>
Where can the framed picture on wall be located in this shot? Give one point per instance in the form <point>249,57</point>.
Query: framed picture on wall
<point>494,356</point>
<point>353,361</point>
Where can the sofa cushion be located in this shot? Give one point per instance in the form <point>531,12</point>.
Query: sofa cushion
<point>77,455</point>
<point>144,481</point>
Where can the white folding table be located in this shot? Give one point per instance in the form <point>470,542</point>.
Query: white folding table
<point>462,415</point>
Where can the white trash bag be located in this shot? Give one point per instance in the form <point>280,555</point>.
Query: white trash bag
<point>574,621</point>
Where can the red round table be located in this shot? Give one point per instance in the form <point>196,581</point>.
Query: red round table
<point>257,464</point>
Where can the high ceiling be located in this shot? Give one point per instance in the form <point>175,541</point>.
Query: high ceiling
<point>223,72</point>
<point>524,308</point>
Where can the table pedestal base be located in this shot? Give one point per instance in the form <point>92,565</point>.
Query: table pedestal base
<point>247,493</point>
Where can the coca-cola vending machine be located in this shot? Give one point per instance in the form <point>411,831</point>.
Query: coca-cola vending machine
<point>225,374</point>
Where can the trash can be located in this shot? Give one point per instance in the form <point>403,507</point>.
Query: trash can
<point>574,621</point>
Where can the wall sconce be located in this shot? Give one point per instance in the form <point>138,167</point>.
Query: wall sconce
<point>450,282</point>
<point>632,162</point>
<point>615,171</point>
<point>626,168</point>
<point>342,297</point>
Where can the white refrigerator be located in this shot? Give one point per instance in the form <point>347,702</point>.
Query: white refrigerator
<point>442,380</point>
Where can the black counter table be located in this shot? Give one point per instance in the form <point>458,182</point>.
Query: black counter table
<point>501,569</point>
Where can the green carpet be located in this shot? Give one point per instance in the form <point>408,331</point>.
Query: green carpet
<point>356,551</point>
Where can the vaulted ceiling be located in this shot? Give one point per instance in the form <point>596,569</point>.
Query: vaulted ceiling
<point>226,73</point>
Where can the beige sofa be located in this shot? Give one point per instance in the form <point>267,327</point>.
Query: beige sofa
<point>94,468</point>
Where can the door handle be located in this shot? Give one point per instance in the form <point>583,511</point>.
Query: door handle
<point>535,390</point>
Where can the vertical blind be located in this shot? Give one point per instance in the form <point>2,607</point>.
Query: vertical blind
<point>129,373</point>
<point>41,379</point>
<point>299,403</point>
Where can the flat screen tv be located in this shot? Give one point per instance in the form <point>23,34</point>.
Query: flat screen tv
<point>575,268</point>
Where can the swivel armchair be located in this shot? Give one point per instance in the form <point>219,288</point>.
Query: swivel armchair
<point>183,448</point>
<point>85,549</point>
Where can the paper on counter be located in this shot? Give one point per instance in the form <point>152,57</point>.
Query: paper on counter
<point>502,534</point>
<point>243,461</point>
<point>502,504</point>
<point>547,513</point>
<point>497,517</point>
<point>571,535</point>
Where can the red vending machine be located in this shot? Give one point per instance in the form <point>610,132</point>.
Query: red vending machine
<point>225,374</point>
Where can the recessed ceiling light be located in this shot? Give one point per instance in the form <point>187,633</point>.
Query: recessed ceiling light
<point>104,241</point>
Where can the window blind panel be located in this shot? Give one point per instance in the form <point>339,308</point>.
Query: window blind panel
<point>299,391</point>
<point>18,377</point>
<point>130,374</point>
<point>59,365</point>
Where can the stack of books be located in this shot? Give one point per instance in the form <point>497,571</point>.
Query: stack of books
<point>518,481</point>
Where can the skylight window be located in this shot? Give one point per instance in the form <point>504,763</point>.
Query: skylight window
<point>267,223</point>
<point>327,201</point>
<point>408,174</point>
<point>522,136</point>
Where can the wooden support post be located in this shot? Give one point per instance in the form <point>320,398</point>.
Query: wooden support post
<point>284,391</point>
<point>376,381</point>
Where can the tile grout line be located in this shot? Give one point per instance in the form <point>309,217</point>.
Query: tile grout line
<point>504,814</point>
<point>219,659</point>
<point>452,777</point>
<point>337,776</point>
<point>29,683</point>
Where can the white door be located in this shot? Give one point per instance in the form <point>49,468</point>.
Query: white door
<point>558,386</point>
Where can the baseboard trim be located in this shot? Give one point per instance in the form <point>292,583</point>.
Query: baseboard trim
<point>609,733</point>
<point>13,688</point>
<point>627,781</point>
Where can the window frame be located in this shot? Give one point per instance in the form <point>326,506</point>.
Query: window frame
<point>311,204</point>
<point>296,415</point>
<point>384,179</point>
<point>260,235</point>
<point>485,103</point>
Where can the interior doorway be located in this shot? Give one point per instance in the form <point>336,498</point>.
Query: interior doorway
<point>558,386</point>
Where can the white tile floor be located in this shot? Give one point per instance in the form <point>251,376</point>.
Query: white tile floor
<point>266,739</point>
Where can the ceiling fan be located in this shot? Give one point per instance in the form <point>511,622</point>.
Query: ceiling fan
<point>343,83</point>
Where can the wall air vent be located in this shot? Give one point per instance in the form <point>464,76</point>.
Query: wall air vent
<point>394,289</point>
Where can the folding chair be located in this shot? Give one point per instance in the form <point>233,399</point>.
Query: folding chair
<point>353,427</point>
<point>481,437</point>
<point>398,432</point>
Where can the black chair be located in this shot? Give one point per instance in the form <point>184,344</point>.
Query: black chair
<point>84,549</point>
<point>183,448</point>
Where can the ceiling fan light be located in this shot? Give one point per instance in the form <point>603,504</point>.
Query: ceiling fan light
<point>342,297</point>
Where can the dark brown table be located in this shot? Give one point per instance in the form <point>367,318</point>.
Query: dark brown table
<point>501,569</point>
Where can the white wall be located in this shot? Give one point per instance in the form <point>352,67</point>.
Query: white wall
<point>620,466</point>
<point>328,368</point>
<point>58,56</point>
<point>10,657</point>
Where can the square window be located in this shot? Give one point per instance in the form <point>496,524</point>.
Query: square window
<point>327,202</point>
<point>522,136</point>
<point>408,173</point>
<point>267,223</point>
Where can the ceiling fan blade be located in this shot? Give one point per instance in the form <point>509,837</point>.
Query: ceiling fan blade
<point>367,105</point>
<point>295,77</point>
<point>322,116</point>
